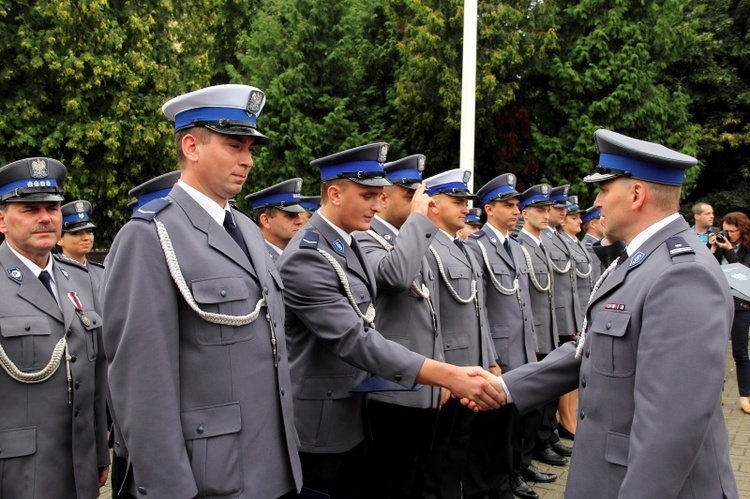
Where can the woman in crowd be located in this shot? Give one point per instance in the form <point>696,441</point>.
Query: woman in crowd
<point>734,247</point>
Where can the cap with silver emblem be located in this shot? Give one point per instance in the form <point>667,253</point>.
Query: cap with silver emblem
<point>310,203</point>
<point>406,172</point>
<point>76,216</point>
<point>363,165</point>
<point>499,188</point>
<point>157,187</point>
<point>623,156</point>
<point>537,195</point>
<point>474,217</point>
<point>590,214</point>
<point>559,195</point>
<point>572,206</point>
<point>284,196</point>
<point>32,180</point>
<point>453,183</point>
<point>227,109</point>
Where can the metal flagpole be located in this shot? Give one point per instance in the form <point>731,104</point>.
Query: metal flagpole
<point>468,88</point>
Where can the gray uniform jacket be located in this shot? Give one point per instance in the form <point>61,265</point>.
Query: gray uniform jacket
<point>588,241</point>
<point>201,406</point>
<point>331,349</point>
<point>545,323</point>
<point>584,269</point>
<point>466,336</point>
<point>650,379</point>
<point>48,446</point>
<point>510,317</point>
<point>565,288</point>
<point>403,315</point>
<point>272,252</point>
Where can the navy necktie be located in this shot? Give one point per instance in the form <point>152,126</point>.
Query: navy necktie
<point>506,245</point>
<point>234,231</point>
<point>47,281</point>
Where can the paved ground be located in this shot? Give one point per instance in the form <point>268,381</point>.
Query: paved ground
<point>739,439</point>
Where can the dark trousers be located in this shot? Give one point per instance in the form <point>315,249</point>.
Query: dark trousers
<point>338,475</point>
<point>489,465</point>
<point>450,448</point>
<point>740,327</point>
<point>548,423</point>
<point>400,449</point>
<point>524,438</point>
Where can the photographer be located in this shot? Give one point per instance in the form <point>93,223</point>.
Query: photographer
<point>732,245</point>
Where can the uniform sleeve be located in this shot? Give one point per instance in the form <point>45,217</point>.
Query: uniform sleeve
<point>681,363</point>
<point>396,269</point>
<point>313,294</point>
<point>141,338</point>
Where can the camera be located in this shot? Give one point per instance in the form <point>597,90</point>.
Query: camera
<point>722,236</point>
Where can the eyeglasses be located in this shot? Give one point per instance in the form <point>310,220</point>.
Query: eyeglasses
<point>732,231</point>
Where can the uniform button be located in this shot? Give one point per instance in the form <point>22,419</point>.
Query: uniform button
<point>448,345</point>
<point>583,415</point>
<point>73,358</point>
<point>199,430</point>
<point>77,385</point>
<point>69,332</point>
<point>609,325</point>
<point>117,443</point>
<point>329,392</point>
<point>428,235</point>
<point>265,290</point>
<point>361,296</point>
<point>588,353</point>
<point>583,383</point>
<point>274,323</point>
<point>27,327</point>
<point>397,377</point>
<point>142,490</point>
<point>76,413</point>
<point>282,392</point>
<point>94,321</point>
<point>223,292</point>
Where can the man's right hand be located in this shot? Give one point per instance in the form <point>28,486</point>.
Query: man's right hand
<point>420,203</point>
<point>493,380</point>
<point>476,387</point>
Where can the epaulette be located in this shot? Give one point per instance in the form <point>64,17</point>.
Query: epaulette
<point>149,210</point>
<point>95,264</point>
<point>678,246</point>
<point>69,261</point>
<point>477,234</point>
<point>309,240</point>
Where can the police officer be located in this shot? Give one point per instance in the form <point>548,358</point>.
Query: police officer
<point>155,188</point>
<point>197,355</point>
<point>463,322</point>
<point>591,223</point>
<point>583,265</point>
<point>407,307</point>
<point>310,204</point>
<point>472,223</point>
<point>490,471</point>
<point>329,290</point>
<point>665,308</point>
<point>53,425</point>
<point>77,238</point>
<point>278,212</point>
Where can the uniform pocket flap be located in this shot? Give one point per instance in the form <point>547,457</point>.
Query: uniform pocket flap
<point>24,325</point>
<point>457,340</point>
<point>17,442</point>
<point>210,421</point>
<point>498,268</point>
<point>617,448</point>
<point>459,273</point>
<point>500,331</point>
<point>325,388</point>
<point>220,289</point>
<point>611,322</point>
<point>95,320</point>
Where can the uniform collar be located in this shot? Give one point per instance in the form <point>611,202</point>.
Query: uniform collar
<point>532,237</point>
<point>345,236</point>
<point>33,267</point>
<point>499,234</point>
<point>647,233</point>
<point>212,207</point>
<point>388,225</point>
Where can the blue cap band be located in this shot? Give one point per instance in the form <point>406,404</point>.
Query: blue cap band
<point>27,184</point>
<point>590,216</point>
<point>187,118</point>
<point>558,198</point>
<point>76,217</point>
<point>531,199</point>
<point>456,186</point>
<point>406,173</point>
<point>643,170</point>
<point>497,192</point>
<point>287,198</point>
<point>350,168</point>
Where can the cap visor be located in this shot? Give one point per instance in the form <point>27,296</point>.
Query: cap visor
<point>260,139</point>
<point>293,208</point>
<point>372,182</point>
<point>78,227</point>
<point>599,177</point>
<point>35,198</point>
<point>408,185</point>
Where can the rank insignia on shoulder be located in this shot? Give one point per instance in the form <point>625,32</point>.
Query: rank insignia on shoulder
<point>309,240</point>
<point>677,246</point>
<point>637,258</point>
<point>15,274</point>
<point>149,210</point>
<point>338,246</point>
<point>64,273</point>
<point>480,233</point>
